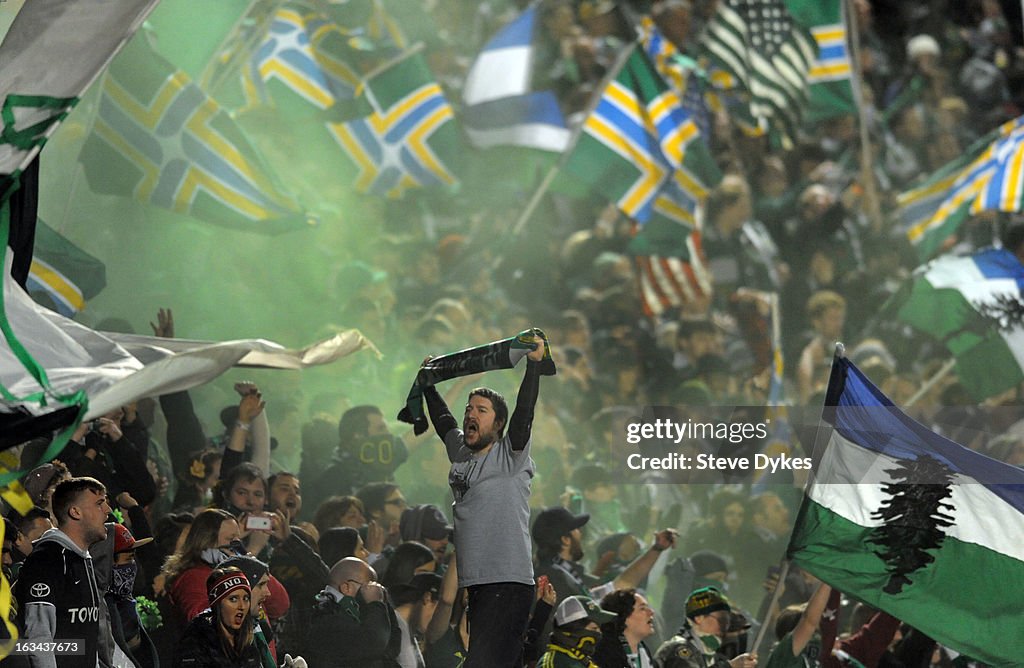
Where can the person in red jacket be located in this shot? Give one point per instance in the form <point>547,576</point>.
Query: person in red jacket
<point>213,538</point>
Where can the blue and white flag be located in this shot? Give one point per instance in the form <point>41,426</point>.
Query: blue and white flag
<point>501,108</point>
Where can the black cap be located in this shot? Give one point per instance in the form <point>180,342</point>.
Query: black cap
<point>553,523</point>
<point>424,521</point>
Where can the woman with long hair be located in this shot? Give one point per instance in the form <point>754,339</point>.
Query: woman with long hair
<point>213,537</point>
<point>223,635</point>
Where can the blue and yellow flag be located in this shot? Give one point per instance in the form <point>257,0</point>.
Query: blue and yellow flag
<point>410,140</point>
<point>159,138</point>
<point>988,177</point>
<point>62,275</point>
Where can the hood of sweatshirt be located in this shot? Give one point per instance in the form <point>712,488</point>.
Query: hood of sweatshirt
<point>58,536</point>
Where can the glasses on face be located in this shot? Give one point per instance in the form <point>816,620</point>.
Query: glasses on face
<point>401,503</point>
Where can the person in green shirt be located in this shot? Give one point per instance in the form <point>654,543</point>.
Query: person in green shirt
<point>796,628</point>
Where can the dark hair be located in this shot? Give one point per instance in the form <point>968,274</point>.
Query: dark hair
<point>406,558</point>
<point>621,602</point>
<point>244,472</point>
<point>356,420</point>
<point>337,543</point>
<point>207,458</point>
<point>241,638</point>
<point>498,403</point>
<point>332,510</point>
<point>280,474</point>
<point>34,513</point>
<point>66,495</point>
<point>168,529</point>
<point>374,495</point>
<point>788,619</point>
<point>722,500</point>
<point>1013,237</point>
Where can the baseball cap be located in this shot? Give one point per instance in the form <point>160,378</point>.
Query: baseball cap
<point>424,521</point>
<point>575,608</point>
<point>706,600</point>
<point>553,523</point>
<point>38,479</point>
<point>124,541</point>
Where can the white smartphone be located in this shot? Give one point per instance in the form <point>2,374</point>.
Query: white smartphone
<point>257,523</point>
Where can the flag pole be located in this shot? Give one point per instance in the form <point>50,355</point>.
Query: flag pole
<point>930,383</point>
<point>549,178</point>
<point>840,353</point>
<point>867,159</point>
<point>205,78</point>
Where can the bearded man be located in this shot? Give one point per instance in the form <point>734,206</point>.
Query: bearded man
<point>490,476</point>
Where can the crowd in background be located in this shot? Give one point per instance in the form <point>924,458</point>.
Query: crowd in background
<point>336,486</point>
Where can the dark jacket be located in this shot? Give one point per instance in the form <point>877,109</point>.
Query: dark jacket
<point>59,600</point>
<point>613,652</point>
<point>298,567</point>
<point>684,650</point>
<point>200,647</point>
<point>338,636</point>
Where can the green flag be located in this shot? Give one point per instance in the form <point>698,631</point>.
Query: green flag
<point>829,91</point>
<point>642,150</point>
<point>160,139</point>
<point>62,274</point>
<point>409,141</point>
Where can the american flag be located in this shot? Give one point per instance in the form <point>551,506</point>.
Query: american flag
<point>767,53</point>
<point>675,282</point>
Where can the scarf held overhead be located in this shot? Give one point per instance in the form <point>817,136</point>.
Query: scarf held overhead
<point>503,354</point>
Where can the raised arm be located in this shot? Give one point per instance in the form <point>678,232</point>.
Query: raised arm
<point>521,423</point>
<point>440,415</point>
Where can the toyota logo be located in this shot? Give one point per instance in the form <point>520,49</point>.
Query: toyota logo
<point>39,590</point>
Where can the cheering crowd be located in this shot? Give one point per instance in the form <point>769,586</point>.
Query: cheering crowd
<point>323,534</point>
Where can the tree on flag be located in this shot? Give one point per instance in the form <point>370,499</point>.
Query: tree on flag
<point>914,525</point>
<point>158,138</point>
<point>952,298</point>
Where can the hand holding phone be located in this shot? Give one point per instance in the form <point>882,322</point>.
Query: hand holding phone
<point>257,523</point>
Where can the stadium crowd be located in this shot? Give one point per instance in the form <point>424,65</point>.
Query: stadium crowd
<point>325,534</point>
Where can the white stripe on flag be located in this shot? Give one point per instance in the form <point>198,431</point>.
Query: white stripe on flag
<point>497,74</point>
<point>980,517</point>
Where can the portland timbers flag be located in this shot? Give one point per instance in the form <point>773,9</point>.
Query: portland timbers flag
<point>915,525</point>
<point>160,139</point>
<point>641,149</point>
<point>62,275</point>
<point>410,140</point>
<point>829,91</point>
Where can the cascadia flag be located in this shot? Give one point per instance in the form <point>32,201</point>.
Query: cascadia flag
<point>960,301</point>
<point>410,140</point>
<point>988,177</point>
<point>160,139</point>
<point>915,525</point>
<point>502,108</point>
<point>757,43</point>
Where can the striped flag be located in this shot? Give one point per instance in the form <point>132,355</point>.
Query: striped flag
<point>293,54</point>
<point>915,525</point>
<point>501,106</point>
<point>62,274</point>
<point>410,140</point>
<point>989,177</point>
<point>674,282</point>
<point>641,149</point>
<point>160,139</point>
<point>770,56</point>
<point>829,87</point>
<point>956,300</point>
